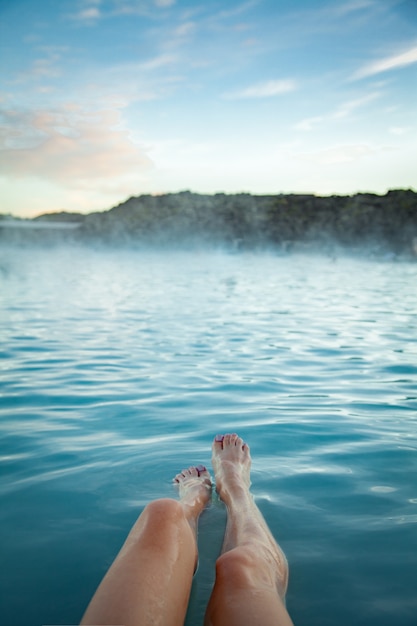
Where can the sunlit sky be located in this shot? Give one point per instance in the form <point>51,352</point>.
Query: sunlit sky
<point>105,99</point>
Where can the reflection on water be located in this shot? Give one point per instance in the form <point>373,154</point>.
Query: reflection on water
<point>118,368</point>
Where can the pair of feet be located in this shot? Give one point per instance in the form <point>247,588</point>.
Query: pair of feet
<point>231,463</point>
<point>246,528</point>
<point>252,571</point>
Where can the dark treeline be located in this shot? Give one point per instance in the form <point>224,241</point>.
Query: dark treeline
<point>382,224</point>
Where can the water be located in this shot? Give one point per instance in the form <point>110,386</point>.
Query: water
<point>118,368</point>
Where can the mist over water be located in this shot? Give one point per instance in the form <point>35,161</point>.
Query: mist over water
<point>119,367</point>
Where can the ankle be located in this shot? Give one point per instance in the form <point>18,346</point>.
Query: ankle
<point>235,495</point>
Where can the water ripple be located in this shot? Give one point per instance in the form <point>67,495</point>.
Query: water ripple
<point>118,369</point>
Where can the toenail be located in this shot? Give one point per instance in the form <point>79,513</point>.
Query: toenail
<point>200,468</point>
<point>219,438</point>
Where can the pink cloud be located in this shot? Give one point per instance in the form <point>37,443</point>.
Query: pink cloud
<point>70,147</point>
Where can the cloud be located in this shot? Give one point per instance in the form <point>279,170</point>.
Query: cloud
<point>308,20</point>
<point>344,110</point>
<point>47,66</point>
<point>266,89</point>
<point>71,147</point>
<point>162,60</point>
<point>348,107</point>
<point>399,130</point>
<point>387,64</point>
<point>131,82</point>
<point>237,10</point>
<point>342,10</point>
<point>309,123</point>
<point>339,154</point>
<point>90,11</point>
<point>185,29</point>
<point>164,3</point>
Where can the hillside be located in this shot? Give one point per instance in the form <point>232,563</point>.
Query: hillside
<point>241,221</point>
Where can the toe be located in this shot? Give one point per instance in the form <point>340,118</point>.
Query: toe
<point>218,442</point>
<point>230,439</point>
<point>245,448</point>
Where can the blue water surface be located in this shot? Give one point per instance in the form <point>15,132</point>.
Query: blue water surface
<point>119,367</point>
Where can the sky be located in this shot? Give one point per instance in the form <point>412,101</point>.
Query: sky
<point>101,100</point>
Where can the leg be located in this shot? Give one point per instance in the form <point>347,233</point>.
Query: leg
<point>252,571</point>
<point>150,579</point>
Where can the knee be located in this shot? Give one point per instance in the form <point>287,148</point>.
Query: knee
<point>247,568</point>
<point>163,511</point>
<point>239,566</point>
<point>160,524</point>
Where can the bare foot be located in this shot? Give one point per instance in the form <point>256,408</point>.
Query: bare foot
<point>194,490</point>
<point>231,463</point>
